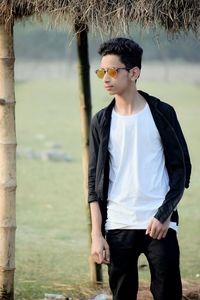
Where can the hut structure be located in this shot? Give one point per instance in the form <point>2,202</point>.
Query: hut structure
<point>107,17</point>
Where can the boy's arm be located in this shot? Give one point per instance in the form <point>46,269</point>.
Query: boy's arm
<point>93,158</point>
<point>157,229</point>
<point>174,195</point>
<point>183,143</point>
<point>100,249</point>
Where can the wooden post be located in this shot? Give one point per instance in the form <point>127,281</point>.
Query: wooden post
<point>7,164</point>
<point>85,115</point>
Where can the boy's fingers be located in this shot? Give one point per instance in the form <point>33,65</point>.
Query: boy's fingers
<point>149,228</point>
<point>100,257</point>
<point>164,234</point>
<point>97,258</point>
<point>160,236</point>
<point>153,233</point>
<point>107,254</point>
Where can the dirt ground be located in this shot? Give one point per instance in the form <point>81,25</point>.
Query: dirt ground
<point>191,291</point>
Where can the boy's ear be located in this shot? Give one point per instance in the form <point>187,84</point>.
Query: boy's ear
<point>134,73</point>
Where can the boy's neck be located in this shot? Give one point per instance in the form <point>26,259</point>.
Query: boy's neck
<point>129,103</point>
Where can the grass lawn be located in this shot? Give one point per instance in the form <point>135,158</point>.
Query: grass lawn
<point>52,238</point>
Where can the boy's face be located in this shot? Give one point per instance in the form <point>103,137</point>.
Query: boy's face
<point>124,79</point>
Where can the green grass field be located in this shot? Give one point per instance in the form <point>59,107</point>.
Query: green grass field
<point>52,238</point>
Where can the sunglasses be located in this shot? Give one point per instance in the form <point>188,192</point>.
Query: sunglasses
<point>112,72</point>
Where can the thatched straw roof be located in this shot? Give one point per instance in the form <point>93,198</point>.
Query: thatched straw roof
<point>109,15</point>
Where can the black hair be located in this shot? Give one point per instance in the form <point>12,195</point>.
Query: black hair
<point>129,51</point>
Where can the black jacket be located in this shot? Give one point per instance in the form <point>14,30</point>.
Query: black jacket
<point>177,158</point>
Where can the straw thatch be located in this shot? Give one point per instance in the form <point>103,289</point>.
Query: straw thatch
<point>109,15</point>
<point>11,10</point>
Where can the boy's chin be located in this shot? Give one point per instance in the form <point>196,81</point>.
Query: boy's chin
<point>111,93</point>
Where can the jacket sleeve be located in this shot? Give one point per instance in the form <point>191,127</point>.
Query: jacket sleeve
<point>174,195</point>
<point>93,159</point>
<point>184,147</point>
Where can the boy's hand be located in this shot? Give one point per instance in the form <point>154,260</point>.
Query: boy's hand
<point>158,230</point>
<point>100,250</point>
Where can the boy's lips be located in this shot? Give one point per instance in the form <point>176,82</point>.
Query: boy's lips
<point>108,87</point>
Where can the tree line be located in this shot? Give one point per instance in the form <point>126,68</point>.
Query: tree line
<point>36,41</point>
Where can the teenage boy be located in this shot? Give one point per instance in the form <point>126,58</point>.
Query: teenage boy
<point>139,166</point>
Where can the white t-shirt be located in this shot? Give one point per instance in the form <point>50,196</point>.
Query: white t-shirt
<point>138,179</point>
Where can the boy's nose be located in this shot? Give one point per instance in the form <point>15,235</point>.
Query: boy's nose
<point>106,77</point>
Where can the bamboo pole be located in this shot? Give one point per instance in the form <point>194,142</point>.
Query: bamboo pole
<point>85,115</point>
<point>7,164</point>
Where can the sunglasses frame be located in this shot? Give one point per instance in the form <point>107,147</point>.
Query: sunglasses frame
<point>107,71</point>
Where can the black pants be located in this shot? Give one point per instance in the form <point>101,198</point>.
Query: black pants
<point>163,259</point>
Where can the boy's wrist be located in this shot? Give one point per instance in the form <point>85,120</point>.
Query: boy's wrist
<point>96,234</point>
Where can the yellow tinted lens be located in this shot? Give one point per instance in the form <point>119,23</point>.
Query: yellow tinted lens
<point>112,72</point>
<point>100,73</point>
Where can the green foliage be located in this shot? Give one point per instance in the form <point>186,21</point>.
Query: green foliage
<point>52,236</point>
